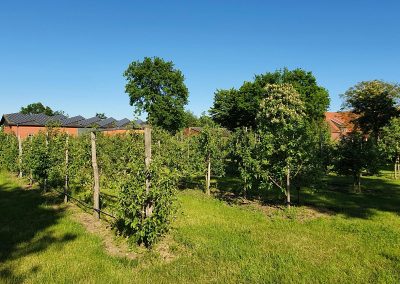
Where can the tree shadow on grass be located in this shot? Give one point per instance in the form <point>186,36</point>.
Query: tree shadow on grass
<point>23,215</point>
<point>230,190</point>
<point>377,194</point>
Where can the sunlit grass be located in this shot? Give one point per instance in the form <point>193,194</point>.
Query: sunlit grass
<point>356,241</point>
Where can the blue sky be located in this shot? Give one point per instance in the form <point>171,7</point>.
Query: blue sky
<point>70,55</point>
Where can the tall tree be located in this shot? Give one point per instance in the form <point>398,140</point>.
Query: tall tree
<point>36,108</point>
<point>190,119</point>
<point>156,87</point>
<point>376,102</point>
<point>238,108</point>
<point>390,144</point>
<point>281,129</point>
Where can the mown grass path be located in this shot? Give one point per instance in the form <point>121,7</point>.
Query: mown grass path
<point>211,242</point>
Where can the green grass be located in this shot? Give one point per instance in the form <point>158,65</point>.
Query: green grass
<point>356,241</point>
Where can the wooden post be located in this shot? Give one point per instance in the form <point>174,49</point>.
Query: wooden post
<point>147,161</point>
<point>20,155</point>
<point>398,166</point>
<point>208,175</point>
<point>288,187</point>
<point>66,170</point>
<point>96,188</point>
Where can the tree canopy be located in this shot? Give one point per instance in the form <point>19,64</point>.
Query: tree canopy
<point>36,108</point>
<point>101,115</point>
<point>376,102</point>
<point>157,88</point>
<point>238,107</point>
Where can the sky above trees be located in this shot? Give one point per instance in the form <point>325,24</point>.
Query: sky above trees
<point>70,55</point>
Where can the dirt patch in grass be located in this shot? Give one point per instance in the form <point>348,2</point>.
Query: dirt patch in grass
<point>102,229</point>
<point>166,249</point>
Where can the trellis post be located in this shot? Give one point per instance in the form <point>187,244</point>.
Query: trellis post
<point>147,161</point>
<point>96,188</point>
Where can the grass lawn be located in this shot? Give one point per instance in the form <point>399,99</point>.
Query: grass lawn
<point>341,238</point>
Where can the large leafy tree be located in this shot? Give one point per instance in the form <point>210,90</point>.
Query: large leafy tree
<point>156,87</point>
<point>376,102</point>
<point>390,143</point>
<point>36,108</point>
<point>281,127</point>
<point>238,108</point>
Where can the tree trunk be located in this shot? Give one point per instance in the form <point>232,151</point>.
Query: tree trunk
<point>96,188</point>
<point>398,166</point>
<point>357,182</point>
<point>288,188</point>
<point>147,160</point>
<point>208,175</point>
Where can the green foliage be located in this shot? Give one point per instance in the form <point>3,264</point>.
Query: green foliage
<point>212,143</point>
<point>43,156</point>
<point>156,87</point>
<point>238,108</point>
<point>376,102</point>
<point>235,108</point>
<point>390,140</point>
<point>122,173</point>
<point>8,152</point>
<point>285,145</point>
<point>190,119</point>
<point>315,98</point>
<point>80,167</point>
<point>36,108</point>
<point>244,155</point>
<point>354,155</point>
<point>178,152</point>
<point>165,171</point>
<point>281,126</point>
<point>133,198</point>
<point>101,115</point>
<point>37,158</point>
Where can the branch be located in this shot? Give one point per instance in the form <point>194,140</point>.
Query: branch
<point>281,188</point>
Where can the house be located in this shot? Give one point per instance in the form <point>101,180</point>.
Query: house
<point>340,123</point>
<point>25,125</point>
<point>193,131</point>
<point>189,131</point>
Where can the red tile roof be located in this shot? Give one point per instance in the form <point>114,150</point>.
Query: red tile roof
<point>340,123</point>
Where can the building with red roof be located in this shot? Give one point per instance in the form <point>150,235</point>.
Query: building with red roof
<point>340,123</point>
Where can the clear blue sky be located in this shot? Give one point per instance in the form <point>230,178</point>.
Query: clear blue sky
<point>70,55</point>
